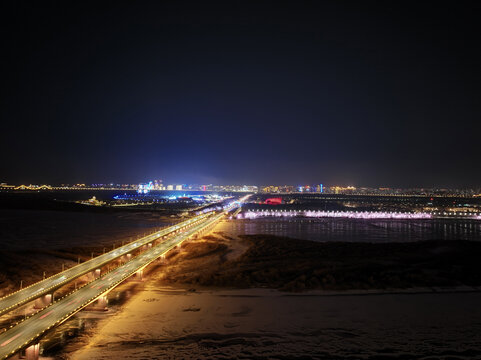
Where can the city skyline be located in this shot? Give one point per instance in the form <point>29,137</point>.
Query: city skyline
<point>159,185</point>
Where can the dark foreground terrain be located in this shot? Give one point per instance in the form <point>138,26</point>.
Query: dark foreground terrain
<point>191,306</point>
<point>297,265</point>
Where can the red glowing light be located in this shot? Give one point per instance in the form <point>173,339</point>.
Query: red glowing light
<point>274,201</point>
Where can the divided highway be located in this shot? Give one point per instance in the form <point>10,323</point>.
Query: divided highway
<point>29,330</point>
<point>48,285</point>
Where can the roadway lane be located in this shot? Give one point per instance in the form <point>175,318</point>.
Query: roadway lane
<point>48,285</point>
<point>32,328</point>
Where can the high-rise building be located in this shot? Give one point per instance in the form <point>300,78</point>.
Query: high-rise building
<point>158,184</point>
<point>145,187</point>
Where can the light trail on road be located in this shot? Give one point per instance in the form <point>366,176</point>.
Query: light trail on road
<point>48,285</point>
<point>32,328</point>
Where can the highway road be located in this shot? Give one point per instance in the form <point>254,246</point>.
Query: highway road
<point>27,331</point>
<point>48,285</point>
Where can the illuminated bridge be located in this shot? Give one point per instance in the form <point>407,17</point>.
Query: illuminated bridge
<point>25,334</point>
<point>47,286</point>
<point>252,214</point>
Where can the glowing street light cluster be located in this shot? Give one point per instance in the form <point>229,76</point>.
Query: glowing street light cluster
<point>336,214</point>
<point>253,214</point>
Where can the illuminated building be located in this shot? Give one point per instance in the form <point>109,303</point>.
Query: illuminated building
<point>158,185</point>
<point>273,201</point>
<point>145,188</point>
<point>271,189</point>
<point>92,202</point>
<point>342,189</point>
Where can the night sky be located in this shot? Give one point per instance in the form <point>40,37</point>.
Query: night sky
<point>361,93</point>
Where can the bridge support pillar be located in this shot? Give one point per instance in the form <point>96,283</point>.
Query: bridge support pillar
<point>100,305</point>
<point>125,258</point>
<point>137,276</point>
<point>95,274</point>
<point>43,301</point>
<point>32,352</point>
<point>162,258</point>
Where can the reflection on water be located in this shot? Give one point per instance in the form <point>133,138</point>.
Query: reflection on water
<point>328,229</point>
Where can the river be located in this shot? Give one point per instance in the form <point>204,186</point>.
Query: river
<point>329,229</point>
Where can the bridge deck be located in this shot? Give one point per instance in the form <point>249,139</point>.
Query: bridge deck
<point>27,331</point>
<point>48,285</point>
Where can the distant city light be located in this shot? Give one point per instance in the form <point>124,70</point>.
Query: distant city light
<point>145,188</point>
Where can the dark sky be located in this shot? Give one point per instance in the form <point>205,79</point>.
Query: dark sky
<point>362,93</point>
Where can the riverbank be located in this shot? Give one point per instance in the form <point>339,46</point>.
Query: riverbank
<point>195,305</point>
<point>264,261</point>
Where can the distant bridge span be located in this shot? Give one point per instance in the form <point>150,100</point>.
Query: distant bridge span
<point>252,214</point>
